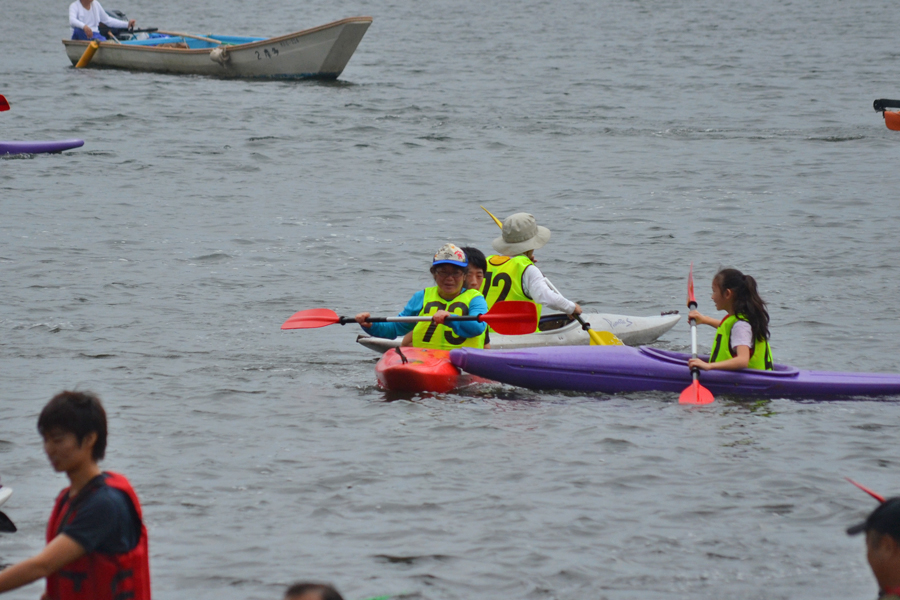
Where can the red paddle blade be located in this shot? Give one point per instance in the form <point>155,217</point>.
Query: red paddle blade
<point>312,318</point>
<point>4,105</point>
<point>878,497</point>
<point>696,394</point>
<point>512,317</point>
<point>691,299</point>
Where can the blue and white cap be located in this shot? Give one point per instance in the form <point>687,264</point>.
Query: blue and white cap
<point>450,254</point>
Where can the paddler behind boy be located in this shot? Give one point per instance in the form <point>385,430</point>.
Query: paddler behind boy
<point>511,273</point>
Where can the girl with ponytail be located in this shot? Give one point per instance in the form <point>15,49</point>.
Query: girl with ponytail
<point>742,337</point>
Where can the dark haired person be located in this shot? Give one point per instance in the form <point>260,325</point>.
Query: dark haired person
<point>96,540</point>
<point>742,337</point>
<point>475,279</point>
<point>312,591</point>
<point>882,529</point>
<point>476,269</point>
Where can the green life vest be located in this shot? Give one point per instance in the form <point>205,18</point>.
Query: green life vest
<point>503,280</point>
<point>760,352</point>
<point>429,334</point>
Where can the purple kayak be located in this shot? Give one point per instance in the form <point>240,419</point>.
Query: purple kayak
<point>39,147</point>
<point>612,369</point>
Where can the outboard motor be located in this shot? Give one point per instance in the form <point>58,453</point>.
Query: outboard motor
<point>105,30</point>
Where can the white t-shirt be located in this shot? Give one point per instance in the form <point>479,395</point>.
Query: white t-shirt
<point>537,287</point>
<point>741,334</point>
<point>79,16</point>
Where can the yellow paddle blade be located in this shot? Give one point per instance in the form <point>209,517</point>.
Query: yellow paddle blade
<point>496,220</point>
<point>604,338</point>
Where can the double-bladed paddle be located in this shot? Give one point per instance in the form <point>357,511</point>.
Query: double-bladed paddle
<point>694,393</point>
<point>510,317</point>
<point>4,105</point>
<point>598,338</point>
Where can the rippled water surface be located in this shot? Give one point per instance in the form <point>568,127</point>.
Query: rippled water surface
<point>156,264</point>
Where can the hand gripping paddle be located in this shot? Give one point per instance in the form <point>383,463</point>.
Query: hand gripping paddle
<point>694,393</point>
<point>510,317</point>
<point>598,338</point>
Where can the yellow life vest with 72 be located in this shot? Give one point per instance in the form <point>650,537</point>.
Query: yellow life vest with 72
<point>503,280</point>
<point>760,352</point>
<point>429,334</point>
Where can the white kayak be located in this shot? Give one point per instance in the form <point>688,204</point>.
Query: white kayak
<point>557,330</point>
<point>5,493</point>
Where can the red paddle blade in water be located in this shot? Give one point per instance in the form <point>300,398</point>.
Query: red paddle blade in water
<point>875,495</point>
<point>512,317</point>
<point>4,105</point>
<point>311,319</point>
<point>696,394</point>
<point>691,299</point>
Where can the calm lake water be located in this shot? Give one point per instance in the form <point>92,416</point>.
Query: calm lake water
<point>156,264</point>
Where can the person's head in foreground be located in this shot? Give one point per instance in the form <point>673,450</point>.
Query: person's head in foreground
<point>312,591</point>
<point>882,529</point>
<point>96,540</point>
<point>73,425</point>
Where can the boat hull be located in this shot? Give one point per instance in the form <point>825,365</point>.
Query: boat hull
<point>39,147</point>
<point>633,331</point>
<point>420,370</point>
<point>614,369</point>
<point>318,53</point>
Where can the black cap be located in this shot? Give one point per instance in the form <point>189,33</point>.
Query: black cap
<point>884,519</point>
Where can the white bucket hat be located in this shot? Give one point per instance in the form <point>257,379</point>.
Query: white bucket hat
<point>521,233</point>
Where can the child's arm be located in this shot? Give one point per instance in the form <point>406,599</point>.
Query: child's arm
<point>741,361</point>
<point>55,555</point>
<point>703,319</point>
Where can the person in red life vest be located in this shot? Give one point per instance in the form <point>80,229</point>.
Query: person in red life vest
<point>882,529</point>
<point>96,540</point>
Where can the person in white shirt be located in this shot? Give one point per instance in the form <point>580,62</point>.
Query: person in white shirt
<point>512,274</point>
<point>85,17</point>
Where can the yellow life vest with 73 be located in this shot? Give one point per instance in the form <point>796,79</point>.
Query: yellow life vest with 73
<point>429,334</point>
<point>760,352</point>
<point>503,280</point>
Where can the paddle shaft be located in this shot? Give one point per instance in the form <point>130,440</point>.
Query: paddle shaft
<point>196,37</point>
<point>413,319</point>
<point>695,371</point>
<point>584,325</point>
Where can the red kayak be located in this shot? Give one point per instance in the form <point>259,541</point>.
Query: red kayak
<point>420,370</point>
